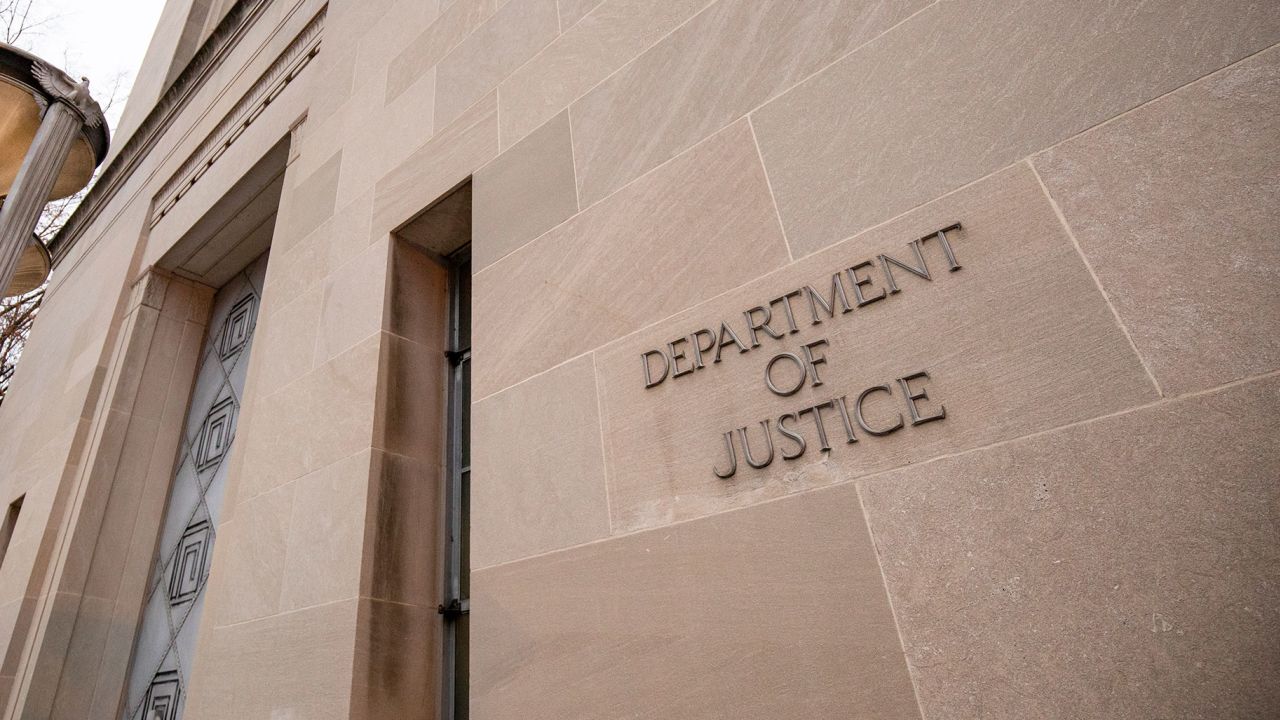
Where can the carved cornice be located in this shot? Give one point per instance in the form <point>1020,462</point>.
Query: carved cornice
<point>252,104</point>
<point>225,37</point>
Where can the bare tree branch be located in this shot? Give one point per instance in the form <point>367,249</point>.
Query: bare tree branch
<point>19,23</point>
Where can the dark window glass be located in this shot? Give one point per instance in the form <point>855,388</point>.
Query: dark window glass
<point>457,588</point>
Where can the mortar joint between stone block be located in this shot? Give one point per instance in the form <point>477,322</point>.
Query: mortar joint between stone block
<point>1115,314</point>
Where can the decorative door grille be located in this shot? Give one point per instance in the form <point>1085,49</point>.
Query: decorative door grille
<point>165,646</point>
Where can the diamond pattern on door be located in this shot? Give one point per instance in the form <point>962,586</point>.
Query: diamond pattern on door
<point>163,697</point>
<point>237,327</point>
<point>188,567</point>
<point>215,434</point>
<point>161,665</point>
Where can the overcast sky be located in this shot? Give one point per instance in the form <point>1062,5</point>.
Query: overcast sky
<point>102,39</point>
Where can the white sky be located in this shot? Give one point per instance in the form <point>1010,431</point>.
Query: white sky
<point>102,39</point>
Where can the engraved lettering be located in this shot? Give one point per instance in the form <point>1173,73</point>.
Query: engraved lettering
<point>792,441</point>
<point>844,418</point>
<point>888,268</point>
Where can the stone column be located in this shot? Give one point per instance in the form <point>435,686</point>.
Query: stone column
<point>31,188</point>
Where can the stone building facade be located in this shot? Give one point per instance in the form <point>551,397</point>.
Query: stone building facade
<point>833,359</point>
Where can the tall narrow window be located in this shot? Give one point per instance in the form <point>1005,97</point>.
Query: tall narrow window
<point>457,588</point>
<point>10,521</point>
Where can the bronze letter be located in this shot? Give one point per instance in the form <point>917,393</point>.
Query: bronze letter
<point>923,394</point>
<point>837,293</point>
<point>753,326</point>
<point>746,446</point>
<point>733,338</point>
<point>786,308</point>
<point>862,422</point>
<point>768,374</point>
<point>648,375</point>
<point>941,235</point>
<point>859,282</point>
<point>812,362</point>
<point>697,346</point>
<point>922,271</point>
<point>817,421</point>
<point>733,458</point>
<point>792,435</point>
<point>676,357</point>
<point>844,418</point>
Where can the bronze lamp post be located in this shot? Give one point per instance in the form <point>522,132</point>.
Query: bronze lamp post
<point>52,136</point>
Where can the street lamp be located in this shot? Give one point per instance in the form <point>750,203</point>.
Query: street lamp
<point>52,137</point>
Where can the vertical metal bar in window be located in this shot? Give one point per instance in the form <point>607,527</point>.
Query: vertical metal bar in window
<point>457,585</point>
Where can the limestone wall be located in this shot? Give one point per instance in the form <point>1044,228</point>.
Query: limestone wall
<point>1088,532</point>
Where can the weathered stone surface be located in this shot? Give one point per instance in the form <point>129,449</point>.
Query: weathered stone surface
<point>318,419</point>
<point>524,192</point>
<point>287,340</point>
<point>765,599</point>
<point>417,298</point>
<point>249,561</point>
<point>354,297</point>
<point>1125,567</point>
<point>409,417</point>
<point>448,159</point>
<point>708,73</point>
<point>309,203</point>
<point>402,530</point>
<point>241,673</point>
<point>456,21</point>
<point>927,107</point>
<point>394,675</point>
<point>613,34</point>
<point>538,479</point>
<point>387,137</point>
<point>773,612</point>
<point>326,529</point>
<point>1018,340</point>
<point>314,258</point>
<point>1179,223</point>
<point>503,43</point>
<point>701,225</point>
<point>571,11</point>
